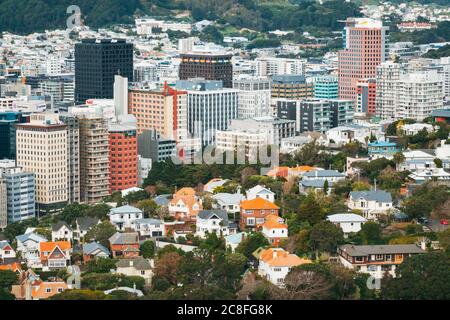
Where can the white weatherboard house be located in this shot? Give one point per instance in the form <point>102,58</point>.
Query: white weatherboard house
<point>260,192</point>
<point>346,134</point>
<point>123,217</point>
<point>371,203</point>
<point>228,201</point>
<point>213,221</point>
<point>6,251</point>
<point>29,245</point>
<point>61,231</point>
<point>348,222</point>
<point>149,227</point>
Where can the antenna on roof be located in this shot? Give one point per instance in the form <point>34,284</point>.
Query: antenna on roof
<point>375,181</point>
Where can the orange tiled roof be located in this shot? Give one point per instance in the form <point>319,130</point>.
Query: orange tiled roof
<point>185,192</point>
<point>273,222</point>
<point>50,246</point>
<point>40,292</point>
<point>302,168</point>
<point>281,258</point>
<point>278,172</point>
<point>257,204</point>
<point>15,266</point>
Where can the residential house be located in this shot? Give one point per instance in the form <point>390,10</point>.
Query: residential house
<point>417,161</point>
<point>254,212</point>
<point>11,266</point>
<point>185,205</point>
<point>437,174</point>
<point>316,180</point>
<point>6,251</point>
<point>55,255</point>
<point>376,260</point>
<point>61,231</point>
<point>31,287</point>
<point>213,184</point>
<point>28,245</point>
<point>274,229</point>
<point>299,171</point>
<point>233,240</point>
<point>260,192</point>
<point>275,264</point>
<point>214,221</point>
<point>149,227</point>
<point>230,202</point>
<point>178,226</point>
<point>348,222</point>
<point>371,203</point>
<point>380,149</point>
<point>83,225</point>
<point>293,144</point>
<point>347,134</point>
<point>162,200</point>
<point>93,251</point>
<point>124,245</point>
<point>415,128</point>
<point>136,267</point>
<point>123,217</point>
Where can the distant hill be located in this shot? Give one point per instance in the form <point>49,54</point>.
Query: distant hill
<point>26,16</point>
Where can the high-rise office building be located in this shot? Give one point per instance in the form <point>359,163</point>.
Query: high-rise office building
<point>291,87</point>
<point>317,115</point>
<point>73,159</point>
<point>123,154</point>
<point>210,107</point>
<point>366,94</point>
<point>270,66</point>
<point>254,97</point>
<point>96,64</point>
<point>42,150</point>
<point>94,157</point>
<point>164,111</point>
<point>3,205</point>
<point>20,194</point>
<point>364,49</point>
<point>8,121</point>
<point>326,87</point>
<point>209,66</point>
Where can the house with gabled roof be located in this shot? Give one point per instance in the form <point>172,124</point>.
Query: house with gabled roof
<point>149,227</point>
<point>29,247</point>
<point>140,267</point>
<point>229,202</point>
<point>254,212</point>
<point>93,251</point>
<point>83,225</point>
<point>31,287</point>
<point>371,203</point>
<point>123,217</point>
<point>61,231</point>
<point>348,222</point>
<point>214,221</point>
<point>124,245</point>
<point>275,264</point>
<point>376,260</point>
<point>6,251</point>
<point>55,255</point>
<point>185,204</point>
<point>260,192</point>
<point>274,229</point>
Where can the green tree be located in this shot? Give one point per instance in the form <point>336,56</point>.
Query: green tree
<point>101,233</point>
<point>148,207</point>
<point>251,243</point>
<point>7,279</point>
<point>325,237</point>
<point>147,249</point>
<point>371,233</point>
<point>420,277</point>
<point>101,265</point>
<point>80,295</point>
<point>310,210</point>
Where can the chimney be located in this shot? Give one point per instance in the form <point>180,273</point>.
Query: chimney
<point>131,263</point>
<point>28,289</point>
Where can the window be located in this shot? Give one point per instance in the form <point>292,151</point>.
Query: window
<point>379,257</point>
<point>142,272</point>
<point>48,290</point>
<point>276,269</point>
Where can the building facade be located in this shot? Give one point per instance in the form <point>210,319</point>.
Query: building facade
<point>42,149</point>
<point>210,66</point>
<point>364,49</point>
<point>253,97</point>
<point>96,64</point>
<point>326,87</point>
<point>94,158</point>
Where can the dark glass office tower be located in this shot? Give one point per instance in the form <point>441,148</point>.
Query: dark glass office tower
<point>8,121</point>
<point>210,66</point>
<point>96,64</point>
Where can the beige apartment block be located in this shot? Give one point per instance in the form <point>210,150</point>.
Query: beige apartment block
<point>94,163</point>
<point>42,150</point>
